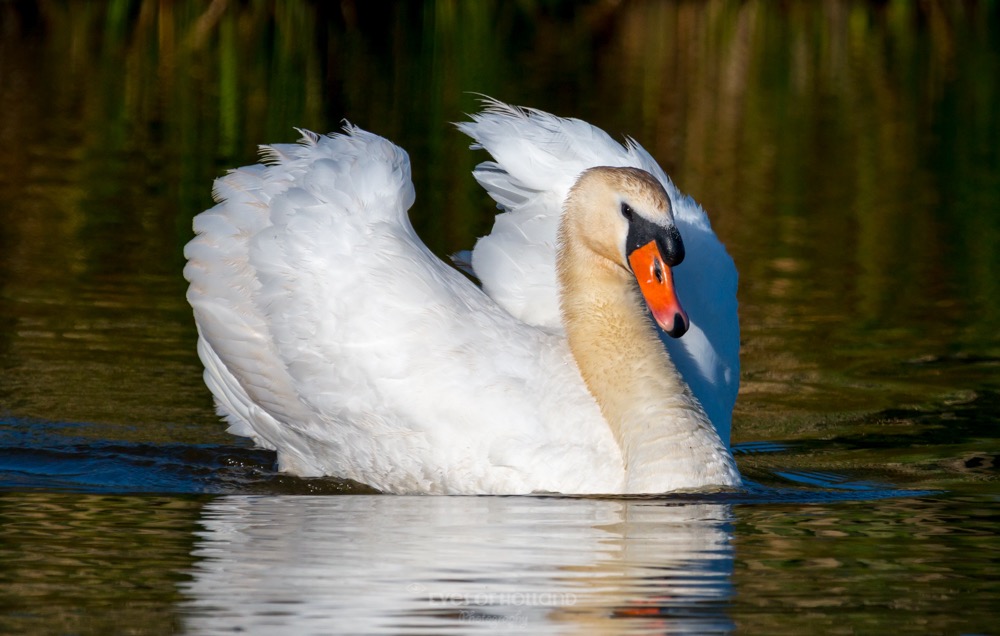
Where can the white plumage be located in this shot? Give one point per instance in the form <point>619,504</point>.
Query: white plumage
<point>537,158</point>
<point>331,334</point>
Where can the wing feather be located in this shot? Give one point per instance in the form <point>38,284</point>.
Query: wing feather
<point>536,159</point>
<point>321,313</point>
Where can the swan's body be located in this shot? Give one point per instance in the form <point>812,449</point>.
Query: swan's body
<point>330,333</point>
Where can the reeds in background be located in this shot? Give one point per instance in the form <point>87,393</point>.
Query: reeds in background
<point>846,151</point>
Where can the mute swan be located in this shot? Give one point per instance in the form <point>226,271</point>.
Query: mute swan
<point>331,334</point>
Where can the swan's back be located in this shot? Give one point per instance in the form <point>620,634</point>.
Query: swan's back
<point>537,159</point>
<point>330,333</point>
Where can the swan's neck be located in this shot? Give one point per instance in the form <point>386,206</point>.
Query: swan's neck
<point>666,439</point>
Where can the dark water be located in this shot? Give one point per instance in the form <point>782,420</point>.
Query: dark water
<point>848,154</point>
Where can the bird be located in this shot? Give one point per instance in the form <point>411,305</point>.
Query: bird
<point>597,353</point>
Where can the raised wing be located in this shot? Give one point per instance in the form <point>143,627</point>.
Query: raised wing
<point>254,280</point>
<point>331,333</point>
<point>536,159</point>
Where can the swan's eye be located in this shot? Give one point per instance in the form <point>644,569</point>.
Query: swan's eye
<point>627,211</point>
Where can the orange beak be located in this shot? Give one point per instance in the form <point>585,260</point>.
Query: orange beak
<point>656,282</point>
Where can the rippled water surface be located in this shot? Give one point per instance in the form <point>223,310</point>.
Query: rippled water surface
<point>846,152</point>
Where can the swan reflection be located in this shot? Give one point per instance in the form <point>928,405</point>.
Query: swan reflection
<point>380,564</point>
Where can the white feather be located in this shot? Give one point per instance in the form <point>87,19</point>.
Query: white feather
<point>537,158</point>
<point>331,334</point>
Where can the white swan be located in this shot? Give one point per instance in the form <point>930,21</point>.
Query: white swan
<point>332,335</point>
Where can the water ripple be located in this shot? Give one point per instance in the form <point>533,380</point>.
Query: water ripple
<point>68,457</point>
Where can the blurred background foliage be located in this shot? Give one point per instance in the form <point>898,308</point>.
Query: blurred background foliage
<point>846,152</point>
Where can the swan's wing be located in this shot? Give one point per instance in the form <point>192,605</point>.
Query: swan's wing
<point>330,332</point>
<point>536,159</point>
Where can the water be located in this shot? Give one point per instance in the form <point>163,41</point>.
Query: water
<point>846,153</point>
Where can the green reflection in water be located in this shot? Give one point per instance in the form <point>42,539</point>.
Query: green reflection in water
<point>903,566</point>
<point>79,564</point>
<point>847,153</point>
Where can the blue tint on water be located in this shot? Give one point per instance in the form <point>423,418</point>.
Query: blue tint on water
<point>233,545</point>
<point>845,152</point>
<point>68,457</point>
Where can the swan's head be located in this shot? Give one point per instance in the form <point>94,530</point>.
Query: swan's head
<point>624,215</point>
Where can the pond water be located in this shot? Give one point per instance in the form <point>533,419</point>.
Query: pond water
<point>848,154</point>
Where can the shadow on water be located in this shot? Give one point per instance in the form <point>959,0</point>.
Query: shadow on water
<point>934,449</point>
<point>62,456</point>
<point>845,151</point>
<point>231,545</point>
